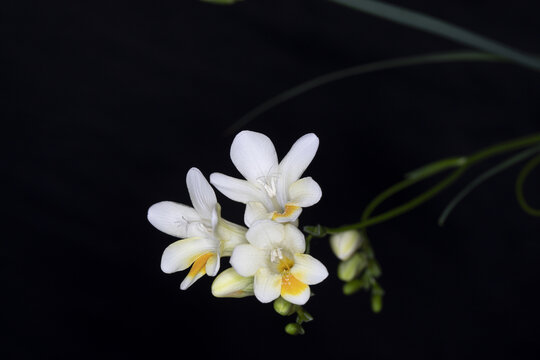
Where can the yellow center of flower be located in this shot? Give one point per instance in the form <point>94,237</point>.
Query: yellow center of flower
<point>284,262</point>
<point>288,212</point>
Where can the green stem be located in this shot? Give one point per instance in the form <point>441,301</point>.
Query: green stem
<point>415,202</point>
<point>483,177</point>
<point>527,168</point>
<point>441,28</point>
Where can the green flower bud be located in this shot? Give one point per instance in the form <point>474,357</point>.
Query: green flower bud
<point>294,329</point>
<point>283,307</point>
<point>376,298</point>
<point>352,267</point>
<point>376,303</point>
<point>353,286</point>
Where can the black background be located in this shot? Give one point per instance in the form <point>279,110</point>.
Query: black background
<point>109,104</point>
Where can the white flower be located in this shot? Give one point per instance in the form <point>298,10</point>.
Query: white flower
<point>272,191</point>
<point>275,257</point>
<point>208,236</point>
<point>344,244</point>
<point>230,284</point>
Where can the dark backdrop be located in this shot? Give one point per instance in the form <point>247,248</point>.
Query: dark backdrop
<point>108,104</point>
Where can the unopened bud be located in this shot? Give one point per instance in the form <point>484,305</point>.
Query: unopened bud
<point>376,303</point>
<point>352,267</point>
<point>344,244</point>
<point>230,284</point>
<point>283,307</point>
<point>376,298</point>
<point>353,286</point>
<point>294,329</point>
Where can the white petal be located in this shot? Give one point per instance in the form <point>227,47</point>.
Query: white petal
<point>198,269</point>
<point>172,218</point>
<point>305,192</point>
<point>230,235</point>
<point>190,280</point>
<point>247,259</point>
<point>230,284</point>
<point>201,193</point>
<point>255,211</point>
<point>294,239</point>
<point>308,270</point>
<point>267,285</point>
<point>236,189</point>
<point>265,234</point>
<point>182,253</point>
<point>254,155</point>
<point>212,265</point>
<point>293,165</point>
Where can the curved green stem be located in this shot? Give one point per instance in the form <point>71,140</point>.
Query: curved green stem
<point>527,168</point>
<point>483,177</point>
<point>415,202</point>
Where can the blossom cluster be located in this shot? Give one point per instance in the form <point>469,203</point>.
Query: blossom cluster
<point>268,257</point>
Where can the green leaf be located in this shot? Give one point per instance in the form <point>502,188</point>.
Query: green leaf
<point>442,28</point>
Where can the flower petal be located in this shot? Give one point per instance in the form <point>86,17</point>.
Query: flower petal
<point>309,270</point>
<point>230,284</point>
<point>172,218</point>
<point>305,192</point>
<point>247,259</point>
<point>230,235</point>
<point>254,155</point>
<point>212,265</point>
<point>198,269</point>
<point>294,290</point>
<point>236,189</point>
<point>267,285</point>
<point>294,239</point>
<point>181,254</point>
<point>290,214</point>
<point>293,165</point>
<point>255,211</point>
<point>265,234</point>
<point>201,193</point>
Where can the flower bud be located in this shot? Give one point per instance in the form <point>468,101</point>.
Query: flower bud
<point>283,307</point>
<point>353,286</point>
<point>352,267</point>
<point>344,244</point>
<point>230,284</point>
<point>294,329</point>
<point>376,303</point>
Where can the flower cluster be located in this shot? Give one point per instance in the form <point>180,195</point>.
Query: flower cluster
<point>268,257</point>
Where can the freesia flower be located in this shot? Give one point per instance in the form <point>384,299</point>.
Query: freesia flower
<point>275,257</point>
<point>271,190</point>
<point>207,237</point>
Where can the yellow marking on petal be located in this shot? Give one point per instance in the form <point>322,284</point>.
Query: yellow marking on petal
<point>285,264</point>
<point>199,265</point>
<point>288,212</point>
<point>291,285</point>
